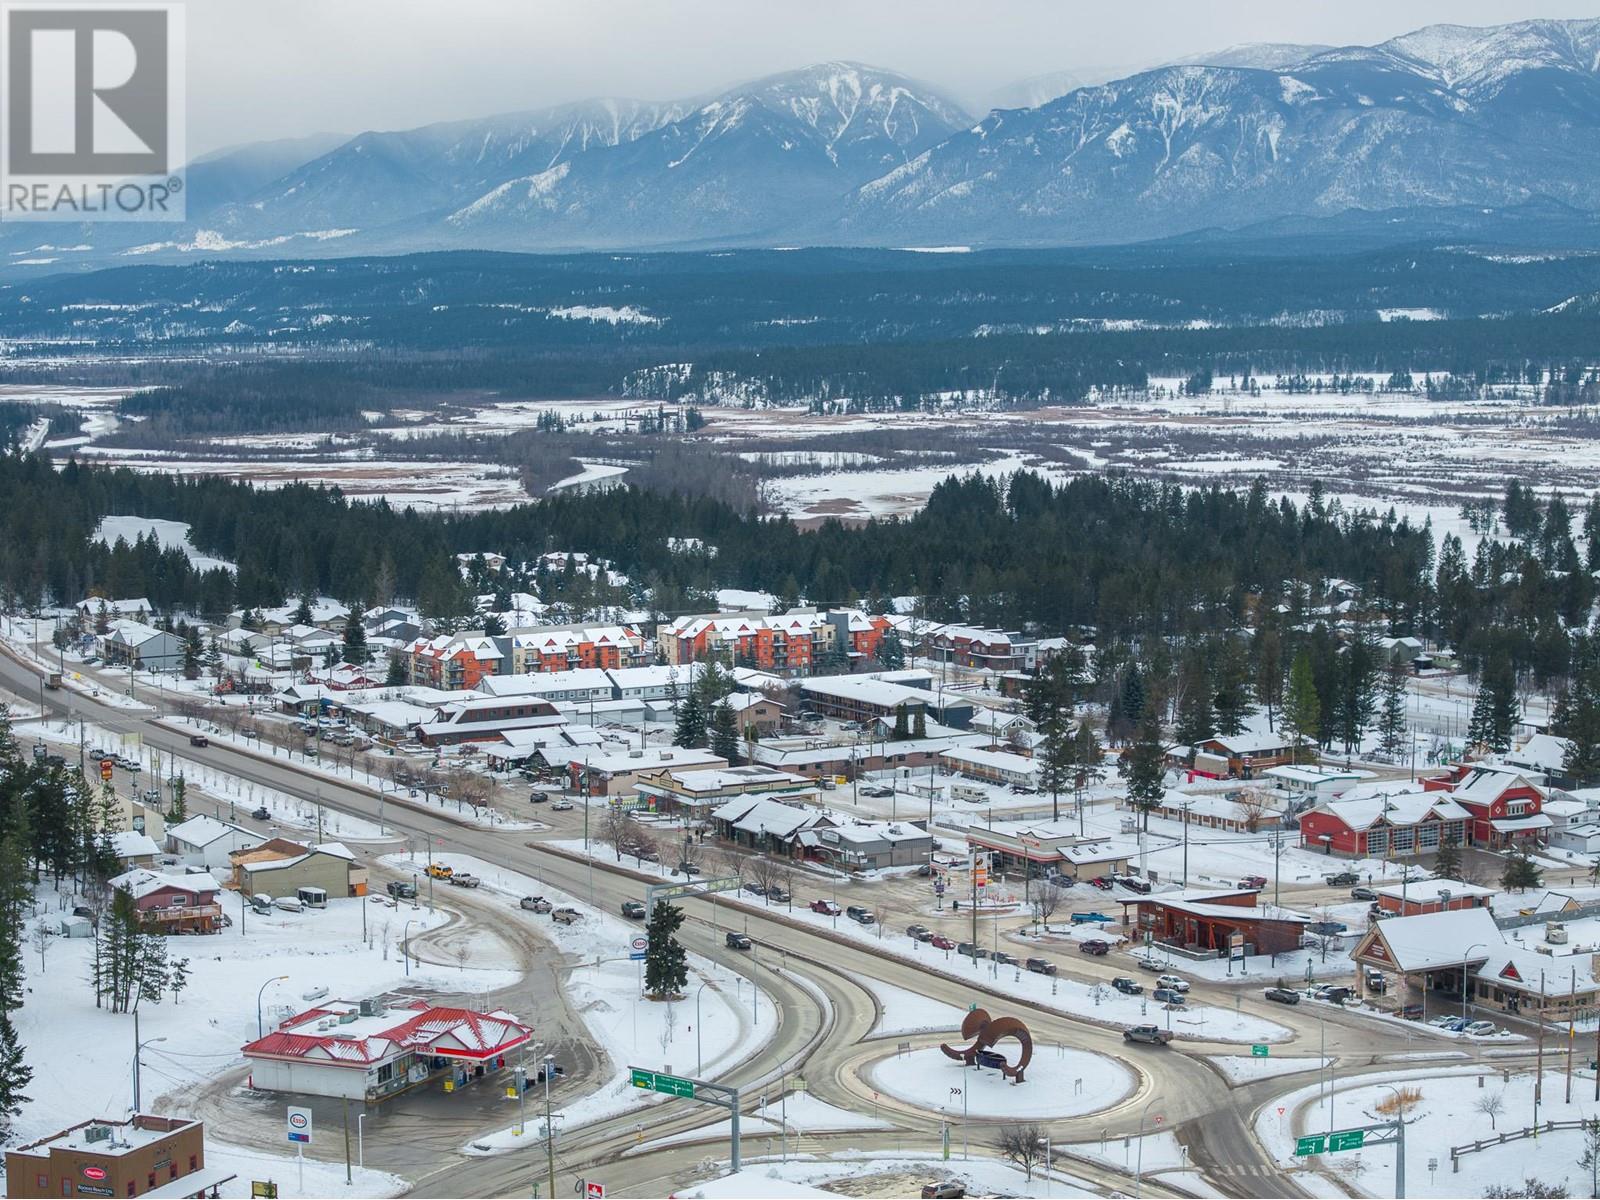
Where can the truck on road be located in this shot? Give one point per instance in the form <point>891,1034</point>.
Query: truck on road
<point>1151,1034</point>
<point>53,680</point>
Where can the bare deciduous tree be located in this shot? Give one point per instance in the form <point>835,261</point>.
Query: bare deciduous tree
<point>1491,1105</point>
<point>1043,899</point>
<point>1024,1145</point>
<point>1253,805</point>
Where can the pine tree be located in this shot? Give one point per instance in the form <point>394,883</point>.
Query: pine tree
<point>1447,864</point>
<point>15,1075</point>
<point>1302,708</point>
<point>891,650</point>
<point>902,723</point>
<point>666,968</point>
<point>302,612</point>
<point>191,661</point>
<point>396,676</point>
<point>1144,769</point>
<point>355,639</point>
<point>1392,716</point>
<point>1057,758</point>
<point>1480,726</point>
<point>1520,871</point>
<point>919,723</point>
<point>1501,683</point>
<point>725,732</point>
<point>1133,695</point>
<point>690,732</point>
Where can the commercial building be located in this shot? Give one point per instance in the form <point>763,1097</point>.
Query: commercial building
<point>869,845</point>
<point>865,699</point>
<point>1042,848</point>
<point>369,1050</point>
<point>145,1155</point>
<point>1505,806</point>
<point>1410,899</point>
<point>486,718</point>
<point>990,766</point>
<point>1206,923</point>
<point>1384,819</point>
<point>695,793</point>
<point>612,774</point>
<point>284,868</point>
<point>147,648</point>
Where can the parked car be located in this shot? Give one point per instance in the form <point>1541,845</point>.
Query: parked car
<point>1282,995</point>
<point>1024,789</point>
<point>1344,879</point>
<point>1166,995</point>
<point>754,888</point>
<point>1127,987</point>
<point>736,941</point>
<point>1149,1034</point>
<point>1375,982</point>
<point>633,910</point>
<point>1101,882</point>
<point>1133,883</point>
<point>538,797</point>
<point>536,904</point>
<point>1094,946</point>
<point>1090,918</point>
<point>561,806</point>
<point>1363,893</point>
<point>1040,966</point>
<point>948,1190</point>
<point>919,933</point>
<point>1481,1029</point>
<point>971,950</point>
<point>1150,964</point>
<point>1333,993</point>
<point>685,867</point>
<point>566,916</point>
<point>261,814</point>
<point>860,915</point>
<point>462,879</point>
<point>1175,982</point>
<point>199,740</point>
<point>440,871</point>
<point>939,942</point>
<point>777,895</point>
<point>1253,881</point>
<point>401,890</point>
<point>826,907</point>
<point>1005,958</point>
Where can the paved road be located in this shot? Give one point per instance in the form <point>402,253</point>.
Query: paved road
<point>824,1038</point>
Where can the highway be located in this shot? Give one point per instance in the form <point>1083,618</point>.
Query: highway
<point>826,1015</point>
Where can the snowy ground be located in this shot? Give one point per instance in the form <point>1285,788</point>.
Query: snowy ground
<point>171,535</point>
<point>605,988</point>
<point>198,1035</point>
<point>1058,1083</point>
<point>905,1011</point>
<point>1447,1115</point>
<point>800,1112</point>
<point>1241,1069</point>
<point>901,1174</point>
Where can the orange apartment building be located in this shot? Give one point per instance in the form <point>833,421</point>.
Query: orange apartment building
<point>789,643</point>
<point>453,662</point>
<point>574,647</point>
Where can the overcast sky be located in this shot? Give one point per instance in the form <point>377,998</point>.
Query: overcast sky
<point>279,68</point>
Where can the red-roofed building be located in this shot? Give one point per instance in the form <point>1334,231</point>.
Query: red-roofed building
<point>368,1051</point>
<point>1505,807</point>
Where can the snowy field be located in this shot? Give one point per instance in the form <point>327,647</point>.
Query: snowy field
<point>900,1174</point>
<point>170,535</point>
<point>1447,1114</point>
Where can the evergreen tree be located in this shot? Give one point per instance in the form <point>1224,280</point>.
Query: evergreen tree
<point>1520,871</point>
<point>396,676</point>
<point>1269,670</point>
<point>1357,691</point>
<point>1501,682</point>
<point>1057,758</point>
<point>1133,695</point>
<point>191,661</point>
<point>891,650</point>
<point>355,639</point>
<point>1302,708</point>
<point>15,1075</point>
<point>725,732</point>
<point>902,723</point>
<point>666,967</point>
<point>690,731</point>
<point>1143,768</point>
<point>1392,716</point>
<point>302,612</point>
<point>1447,864</point>
<point>1196,722</point>
<point>919,723</point>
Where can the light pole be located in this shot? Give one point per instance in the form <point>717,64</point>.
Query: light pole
<point>1466,982</point>
<point>138,1049</point>
<point>1138,1170</point>
<point>260,1029</point>
<point>405,951</point>
<point>549,1133</point>
<point>1400,1143</point>
<point>699,1060</point>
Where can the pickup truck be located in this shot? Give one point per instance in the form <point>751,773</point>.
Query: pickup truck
<point>401,890</point>
<point>1342,879</point>
<point>536,904</point>
<point>566,916</point>
<point>1149,1034</point>
<point>1090,918</point>
<point>462,879</point>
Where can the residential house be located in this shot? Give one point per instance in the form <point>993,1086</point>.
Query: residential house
<point>204,841</point>
<point>1305,787</point>
<point>134,849</point>
<point>97,608</point>
<point>281,868</point>
<point>755,711</point>
<point>142,1155</point>
<point>1243,755</point>
<point>174,903</point>
<point>1543,759</point>
<point>147,648</point>
<point>370,1051</point>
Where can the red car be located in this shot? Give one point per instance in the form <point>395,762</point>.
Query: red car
<point>1101,882</point>
<point>939,942</point>
<point>826,907</point>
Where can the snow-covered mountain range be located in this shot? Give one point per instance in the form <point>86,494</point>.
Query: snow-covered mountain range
<point>1445,117</point>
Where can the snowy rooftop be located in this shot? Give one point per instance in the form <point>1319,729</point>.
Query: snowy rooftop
<point>1427,891</point>
<point>354,1040</point>
<point>202,830</point>
<point>1439,939</point>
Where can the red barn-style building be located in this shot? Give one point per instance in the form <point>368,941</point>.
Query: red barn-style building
<point>1382,820</point>
<point>1506,807</point>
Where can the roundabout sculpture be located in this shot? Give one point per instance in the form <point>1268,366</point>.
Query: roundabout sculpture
<point>982,1032</point>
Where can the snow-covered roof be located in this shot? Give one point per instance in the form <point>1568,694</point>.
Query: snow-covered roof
<point>354,1040</point>
<point>129,843</point>
<point>1486,782</point>
<point>1397,803</point>
<point>140,882</point>
<point>1543,752</point>
<point>993,760</point>
<point>1250,742</point>
<point>1439,939</point>
<point>1509,965</point>
<point>762,814</point>
<point>202,830</point>
<point>1430,891</point>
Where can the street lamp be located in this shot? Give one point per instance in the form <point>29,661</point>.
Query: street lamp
<point>405,951</point>
<point>1138,1170</point>
<point>260,1031</point>
<point>699,1060</point>
<point>549,1133</point>
<point>138,1049</point>
<point>1466,986</point>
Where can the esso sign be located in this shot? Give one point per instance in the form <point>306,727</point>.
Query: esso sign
<point>95,1173</point>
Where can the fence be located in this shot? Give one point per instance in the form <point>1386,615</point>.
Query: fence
<point>1458,1152</point>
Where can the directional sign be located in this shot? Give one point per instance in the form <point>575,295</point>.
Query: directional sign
<point>1347,1139</point>
<point>670,1085</point>
<point>299,1123</point>
<point>1316,1143</point>
<point>1260,1050</point>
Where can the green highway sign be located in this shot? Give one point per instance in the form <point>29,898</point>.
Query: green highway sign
<point>1316,1143</point>
<point>671,1085</point>
<point>1347,1139</point>
<point>1260,1050</point>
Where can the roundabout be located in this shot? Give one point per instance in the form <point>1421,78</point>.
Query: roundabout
<point>1060,1083</point>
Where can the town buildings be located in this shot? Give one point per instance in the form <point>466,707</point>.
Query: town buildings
<point>174,903</point>
<point>144,1155</point>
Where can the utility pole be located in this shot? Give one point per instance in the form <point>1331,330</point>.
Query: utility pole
<point>549,1133</point>
<point>1185,807</point>
<point>1538,1070</point>
<point>347,1140</point>
<point>1572,1035</point>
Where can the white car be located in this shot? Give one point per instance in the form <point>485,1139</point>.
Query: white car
<point>1481,1029</point>
<point>1440,1021</point>
<point>1174,982</point>
<point>561,806</point>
